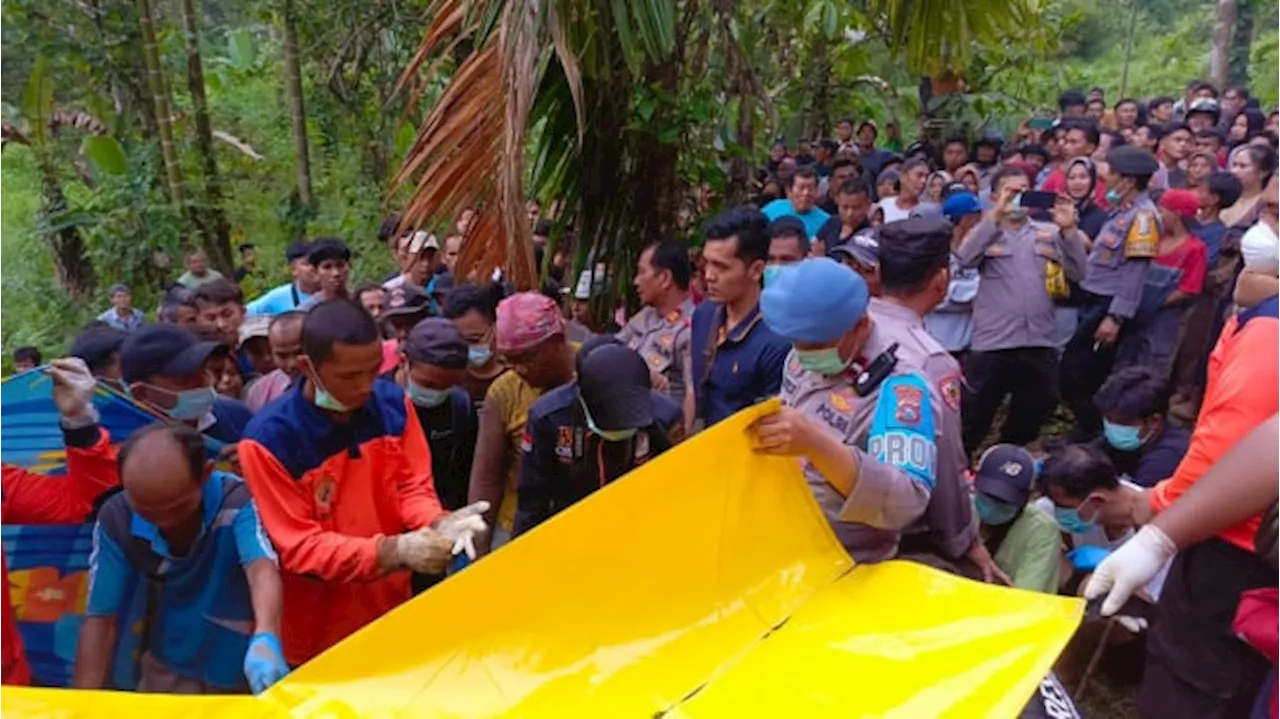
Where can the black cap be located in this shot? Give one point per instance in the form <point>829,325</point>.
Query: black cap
<point>443,282</point>
<point>911,249</point>
<point>96,345</point>
<point>613,381</point>
<point>297,250</point>
<point>167,351</point>
<point>542,228</point>
<point>328,248</point>
<point>406,301</point>
<point>1006,472</point>
<point>438,342</point>
<point>1133,161</point>
<point>787,226</point>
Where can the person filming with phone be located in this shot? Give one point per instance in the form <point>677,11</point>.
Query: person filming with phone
<point>1025,265</point>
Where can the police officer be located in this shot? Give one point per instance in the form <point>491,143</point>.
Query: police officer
<point>1112,288</point>
<point>1025,265</point>
<point>868,501</point>
<point>582,436</point>
<point>660,330</point>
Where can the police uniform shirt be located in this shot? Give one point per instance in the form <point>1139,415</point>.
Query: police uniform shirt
<point>935,385</point>
<point>562,461</point>
<point>1013,307</point>
<point>663,342</point>
<point>888,495</point>
<point>1121,252</point>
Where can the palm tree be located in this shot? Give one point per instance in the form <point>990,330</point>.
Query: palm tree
<point>556,81</point>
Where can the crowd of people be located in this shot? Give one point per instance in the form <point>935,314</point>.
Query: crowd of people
<point>379,435</point>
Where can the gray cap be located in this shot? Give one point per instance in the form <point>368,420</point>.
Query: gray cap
<point>863,247</point>
<point>436,341</point>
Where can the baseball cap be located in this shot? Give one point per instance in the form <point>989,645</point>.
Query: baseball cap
<point>586,287</point>
<point>795,309</point>
<point>255,326</point>
<point>863,247</point>
<point>961,203</point>
<point>297,250</point>
<point>95,345</point>
<point>328,248</point>
<point>406,300</point>
<point>436,341</point>
<point>165,350</point>
<point>1005,472</point>
<point>416,242</point>
<point>613,382</point>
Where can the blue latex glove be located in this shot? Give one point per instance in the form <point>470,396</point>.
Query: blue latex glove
<point>1087,558</point>
<point>264,663</point>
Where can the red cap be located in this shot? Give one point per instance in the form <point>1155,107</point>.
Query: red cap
<point>1181,202</point>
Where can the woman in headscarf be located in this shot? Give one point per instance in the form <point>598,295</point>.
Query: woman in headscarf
<point>935,184</point>
<point>969,176</point>
<point>1082,178</point>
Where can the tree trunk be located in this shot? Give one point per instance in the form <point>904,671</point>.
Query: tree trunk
<point>657,193</point>
<point>1223,28</point>
<point>1238,60</point>
<point>297,105</point>
<point>70,261</point>
<point>160,100</point>
<point>819,75</point>
<point>215,235</point>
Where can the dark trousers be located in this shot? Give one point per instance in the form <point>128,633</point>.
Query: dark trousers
<point>1085,368</point>
<point>1196,667</point>
<point>1028,375</point>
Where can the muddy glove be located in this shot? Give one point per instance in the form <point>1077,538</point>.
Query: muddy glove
<point>264,663</point>
<point>73,386</point>
<point>425,551</point>
<point>462,526</point>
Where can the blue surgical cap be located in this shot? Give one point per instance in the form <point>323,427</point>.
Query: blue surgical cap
<point>814,301</point>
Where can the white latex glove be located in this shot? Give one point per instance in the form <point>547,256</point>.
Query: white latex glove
<point>424,551</point>
<point>1130,568</point>
<point>73,386</point>
<point>462,526</point>
<point>1137,625</point>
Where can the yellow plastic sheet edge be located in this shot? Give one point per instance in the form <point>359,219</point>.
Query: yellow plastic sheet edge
<point>705,583</point>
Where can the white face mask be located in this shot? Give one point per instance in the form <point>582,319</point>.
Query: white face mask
<point>1260,248</point>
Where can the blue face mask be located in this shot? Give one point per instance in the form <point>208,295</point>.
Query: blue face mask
<point>1123,437</point>
<point>1069,520</point>
<point>190,405</point>
<point>324,400</point>
<point>993,512</point>
<point>771,273</point>
<point>479,355</point>
<point>1113,197</point>
<point>426,397</point>
<point>825,362</point>
<point>608,435</point>
<point>193,404</point>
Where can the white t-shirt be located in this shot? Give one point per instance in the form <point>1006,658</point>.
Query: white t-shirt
<point>892,213</point>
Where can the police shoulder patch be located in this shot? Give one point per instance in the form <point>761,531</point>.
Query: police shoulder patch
<point>950,388</point>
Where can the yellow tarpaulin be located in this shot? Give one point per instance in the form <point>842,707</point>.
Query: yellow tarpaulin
<point>705,584</point>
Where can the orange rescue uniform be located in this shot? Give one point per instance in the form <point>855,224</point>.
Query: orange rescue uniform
<point>327,492</point>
